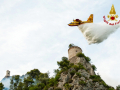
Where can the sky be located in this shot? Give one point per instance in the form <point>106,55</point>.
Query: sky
<point>34,34</point>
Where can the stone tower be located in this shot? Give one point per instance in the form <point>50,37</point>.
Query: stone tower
<point>74,59</point>
<point>7,73</point>
<point>72,51</point>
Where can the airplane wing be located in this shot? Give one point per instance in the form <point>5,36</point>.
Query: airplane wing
<point>90,19</point>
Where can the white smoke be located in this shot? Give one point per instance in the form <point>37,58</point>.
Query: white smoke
<point>96,33</point>
<point>6,81</point>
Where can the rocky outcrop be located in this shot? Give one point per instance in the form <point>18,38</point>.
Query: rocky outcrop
<point>80,80</point>
<point>79,83</point>
<point>82,60</point>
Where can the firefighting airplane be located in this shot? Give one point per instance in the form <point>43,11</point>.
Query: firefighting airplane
<point>77,22</point>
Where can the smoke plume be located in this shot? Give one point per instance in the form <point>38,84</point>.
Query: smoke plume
<point>97,33</point>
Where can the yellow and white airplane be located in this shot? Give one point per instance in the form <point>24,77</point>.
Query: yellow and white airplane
<point>77,22</point>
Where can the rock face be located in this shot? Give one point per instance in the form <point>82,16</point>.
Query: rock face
<point>82,60</point>
<point>77,82</point>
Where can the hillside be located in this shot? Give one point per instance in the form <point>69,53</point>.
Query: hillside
<point>76,73</point>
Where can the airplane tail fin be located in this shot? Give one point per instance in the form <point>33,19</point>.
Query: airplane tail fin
<point>90,19</point>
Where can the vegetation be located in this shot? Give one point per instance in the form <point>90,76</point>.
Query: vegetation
<point>94,67</point>
<point>42,79</point>
<point>64,64</point>
<point>71,45</point>
<point>14,82</point>
<point>1,86</point>
<point>78,66</point>
<point>43,82</point>
<point>57,88</point>
<point>70,81</point>
<point>102,82</point>
<point>39,86</point>
<point>67,86</point>
<point>87,59</point>
<point>20,85</point>
<point>107,86</point>
<point>82,55</point>
<point>81,66</point>
<point>28,83</point>
<point>82,82</point>
<point>72,73</point>
<point>110,89</point>
<point>78,74</point>
<point>52,81</point>
<point>118,87</point>
<point>96,78</point>
<point>34,73</point>
<point>56,71</point>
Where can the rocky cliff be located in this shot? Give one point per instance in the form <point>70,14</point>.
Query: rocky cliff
<point>82,78</point>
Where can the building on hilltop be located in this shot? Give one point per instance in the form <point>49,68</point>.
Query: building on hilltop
<point>7,73</point>
<point>72,51</point>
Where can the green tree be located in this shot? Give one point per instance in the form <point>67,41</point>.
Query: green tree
<point>96,78</point>
<point>56,71</point>
<point>82,55</point>
<point>43,75</point>
<point>34,88</point>
<point>20,85</point>
<point>34,73</point>
<point>87,59</point>
<point>27,82</point>
<point>1,86</point>
<point>46,87</point>
<point>82,82</point>
<point>39,86</point>
<point>15,86</point>
<point>51,81</point>
<point>64,64</point>
<point>56,79</point>
<point>94,67</point>
<point>118,87</point>
<point>16,77</point>
<point>67,86</point>
<point>71,45</point>
<point>16,80</point>
<point>11,83</point>
<point>44,78</point>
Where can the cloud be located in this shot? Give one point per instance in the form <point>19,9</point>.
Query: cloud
<point>7,5</point>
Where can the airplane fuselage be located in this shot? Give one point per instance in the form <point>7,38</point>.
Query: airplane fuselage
<point>77,22</point>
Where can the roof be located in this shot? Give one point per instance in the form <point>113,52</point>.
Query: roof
<point>74,47</point>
